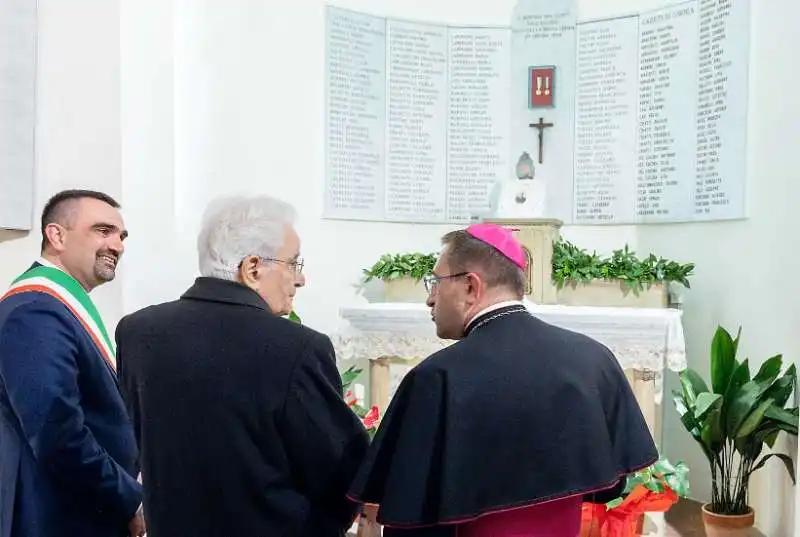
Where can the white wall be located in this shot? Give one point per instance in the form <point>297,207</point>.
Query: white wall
<point>153,252</point>
<point>746,271</point>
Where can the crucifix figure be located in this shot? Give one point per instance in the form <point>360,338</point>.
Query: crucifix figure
<point>541,126</point>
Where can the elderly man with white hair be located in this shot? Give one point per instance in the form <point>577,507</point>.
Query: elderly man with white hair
<point>238,412</point>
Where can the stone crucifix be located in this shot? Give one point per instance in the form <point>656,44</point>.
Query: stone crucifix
<point>541,126</point>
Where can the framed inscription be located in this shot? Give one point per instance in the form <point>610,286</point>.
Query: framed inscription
<point>541,86</point>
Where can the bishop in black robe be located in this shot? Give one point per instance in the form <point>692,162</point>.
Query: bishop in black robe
<point>515,424</point>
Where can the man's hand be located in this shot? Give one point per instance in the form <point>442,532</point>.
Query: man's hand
<point>136,527</point>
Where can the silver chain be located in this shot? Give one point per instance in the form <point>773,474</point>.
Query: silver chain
<point>493,317</point>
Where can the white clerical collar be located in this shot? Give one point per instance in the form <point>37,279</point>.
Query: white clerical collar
<point>494,307</point>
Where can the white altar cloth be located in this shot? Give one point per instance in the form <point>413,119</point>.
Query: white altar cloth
<point>641,339</point>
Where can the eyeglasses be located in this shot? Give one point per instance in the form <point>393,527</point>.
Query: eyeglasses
<point>433,280</point>
<point>296,265</point>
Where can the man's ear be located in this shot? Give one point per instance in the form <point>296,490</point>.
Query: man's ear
<point>248,271</point>
<point>475,284</point>
<point>56,236</point>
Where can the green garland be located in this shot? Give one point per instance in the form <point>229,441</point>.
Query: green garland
<point>392,267</point>
<point>570,265</point>
<point>573,264</point>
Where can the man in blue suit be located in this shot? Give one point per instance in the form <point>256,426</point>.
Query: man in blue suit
<point>68,456</point>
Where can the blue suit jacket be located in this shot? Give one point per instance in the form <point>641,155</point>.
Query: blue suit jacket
<point>68,456</point>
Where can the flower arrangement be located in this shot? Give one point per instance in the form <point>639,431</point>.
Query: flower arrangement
<point>369,417</point>
<point>653,489</point>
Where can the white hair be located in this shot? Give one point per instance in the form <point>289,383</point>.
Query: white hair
<point>236,227</point>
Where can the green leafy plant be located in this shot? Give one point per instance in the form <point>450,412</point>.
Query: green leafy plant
<point>394,266</point>
<point>575,265</point>
<point>294,317</point>
<point>349,377</point>
<point>736,417</point>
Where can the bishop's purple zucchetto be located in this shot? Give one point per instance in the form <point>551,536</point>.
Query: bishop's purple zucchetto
<point>502,239</point>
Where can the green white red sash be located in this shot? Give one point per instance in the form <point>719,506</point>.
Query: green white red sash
<point>55,282</point>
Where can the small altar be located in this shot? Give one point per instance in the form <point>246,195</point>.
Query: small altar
<point>393,337</point>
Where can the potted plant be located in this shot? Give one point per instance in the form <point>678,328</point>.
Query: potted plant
<point>401,275</point>
<point>732,421</point>
<point>652,489</point>
<point>622,279</point>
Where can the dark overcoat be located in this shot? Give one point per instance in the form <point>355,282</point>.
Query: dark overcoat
<point>239,416</point>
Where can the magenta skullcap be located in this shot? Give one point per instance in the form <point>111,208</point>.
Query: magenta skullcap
<point>502,239</point>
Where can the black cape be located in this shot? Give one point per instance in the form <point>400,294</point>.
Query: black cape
<point>517,412</point>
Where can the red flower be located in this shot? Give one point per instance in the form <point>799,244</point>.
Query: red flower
<point>349,399</point>
<point>372,417</point>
